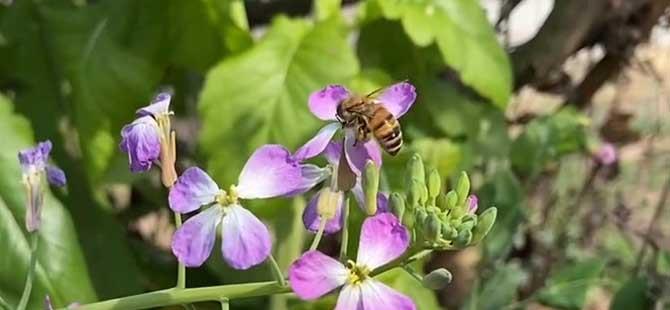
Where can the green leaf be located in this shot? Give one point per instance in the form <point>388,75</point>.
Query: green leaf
<point>61,269</point>
<point>464,37</point>
<point>634,294</point>
<point>260,96</point>
<point>499,289</point>
<point>567,288</point>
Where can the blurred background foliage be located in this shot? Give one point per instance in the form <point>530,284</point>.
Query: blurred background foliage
<point>520,94</point>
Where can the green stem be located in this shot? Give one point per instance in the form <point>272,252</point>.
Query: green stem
<point>225,305</point>
<point>319,234</point>
<point>344,244</point>
<point>413,273</point>
<point>278,274</point>
<point>34,238</point>
<point>4,305</point>
<point>175,296</point>
<point>181,269</point>
<point>406,259</point>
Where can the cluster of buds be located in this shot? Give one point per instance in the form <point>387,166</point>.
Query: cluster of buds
<point>437,219</point>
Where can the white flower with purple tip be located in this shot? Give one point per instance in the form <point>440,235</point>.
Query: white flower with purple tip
<point>397,99</point>
<point>35,167</point>
<point>270,172</point>
<point>383,239</point>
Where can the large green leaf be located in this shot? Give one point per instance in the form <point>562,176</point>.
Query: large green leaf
<point>567,288</point>
<point>465,38</point>
<point>634,294</point>
<point>260,96</point>
<point>61,269</point>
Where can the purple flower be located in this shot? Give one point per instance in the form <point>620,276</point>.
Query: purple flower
<point>35,167</point>
<point>383,239</point>
<point>142,138</point>
<point>397,99</point>
<point>607,154</point>
<point>311,218</point>
<point>472,204</point>
<point>270,172</point>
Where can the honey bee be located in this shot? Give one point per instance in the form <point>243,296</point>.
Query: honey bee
<point>368,117</point>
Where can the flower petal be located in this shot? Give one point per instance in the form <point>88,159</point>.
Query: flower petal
<point>312,219</point>
<point>323,103</point>
<point>35,157</point>
<point>398,98</point>
<point>317,144</point>
<point>194,188</point>
<point>141,141</point>
<point>160,105</point>
<point>193,242</point>
<point>359,154</point>
<point>333,152</point>
<point>315,274</point>
<point>383,239</point>
<point>56,176</point>
<point>376,295</point>
<point>350,298</point>
<point>472,204</point>
<point>245,239</point>
<point>270,171</point>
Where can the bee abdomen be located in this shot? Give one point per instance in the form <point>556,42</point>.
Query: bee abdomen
<point>387,130</point>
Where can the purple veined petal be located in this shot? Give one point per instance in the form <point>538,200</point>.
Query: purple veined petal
<point>376,295</point>
<point>359,154</point>
<point>193,242</point>
<point>472,204</point>
<point>323,103</point>
<point>270,172</point>
<point>350,298</point>
<point>382,200</point>
<point>315,274</point>
<point>398,98</point>
<point>383,239</point>
<point>141,140</point>
<point>56,176</point>
<point>317,144</point>
<point>333,152</point>
<point>194,188</point>
<point>35,157</point>
<point>311,176</point>
<point>245,239</point>
<point>312,219</point>
<point>159,105</point>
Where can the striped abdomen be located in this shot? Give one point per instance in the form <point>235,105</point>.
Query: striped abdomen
<point>386,129</point>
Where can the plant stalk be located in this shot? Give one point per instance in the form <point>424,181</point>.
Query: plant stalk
<point>27,288</point>
<point>344,244</point>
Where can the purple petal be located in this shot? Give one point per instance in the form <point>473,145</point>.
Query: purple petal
<point>311,176</point>
<point>472,204</point>
<point>312,219</point>
<point>245,239</point>
<point>193,242</point>
<point>333,152</point>
<point>382,200</point>
<point>358,155</point>
<point>376,295</point>
<point>350,298</point>
<point>159,105</point>
<point>35,157</point>
<point>56,176</point>
<point>194,188</point>
<point>314,274</point>
<point>270,172</point>
<point>398,98</point>
<point>383,239</point>
<point>141,141</point>
<point>607,154</point>
<point>323,103</point>
<point>317,144</point>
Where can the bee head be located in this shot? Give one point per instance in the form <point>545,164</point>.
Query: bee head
<point>343,114</point>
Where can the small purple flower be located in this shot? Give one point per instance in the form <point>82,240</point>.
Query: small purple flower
<point>397,99</point>
<point>35,167</point>
<point>383,239</point>
<point>607,154</point>
<point>270,172</point>
<point>472,204</point>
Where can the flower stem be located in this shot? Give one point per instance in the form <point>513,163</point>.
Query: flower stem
<point>319,234</point>
<point>344,244</point>
<point>413,273</point>
<point>34,238</point>
<point>174,296</point>
<point>278,274</point>
<point>181,269</point>
<point>4,305</point>
<point>406,259</point>
<point>224,304</point>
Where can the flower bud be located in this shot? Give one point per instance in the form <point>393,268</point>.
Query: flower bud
<point>329,202</point>
<point>421,216</point>
<point>452,200</point>
<point>463,188</point>
<point>484,223</point>
<point>416,192</point>
<point>441,201</point>
<point>397,205</point>
<point>437,279</point>
<point>370,187</point>
<point>473,204</point>
<point>463,239</point>
<point>434,184</point>
<point>409,219</point>
<point>448,231</point>
<point>432,227</point>
<point>416,169</point>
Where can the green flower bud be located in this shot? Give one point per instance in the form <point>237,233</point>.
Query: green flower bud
<point>441,201</point>
<point>448,231</point>
<point>484,223</point>
<point>370,187</point>
<point>416,170</point>
<point>424,195</point>
<point>416,192</point>
<point>432,228</point>
<point>434,184</point>
<point>409,219</point>
<point>463,188</point>
<point>397,203</point>
<point>437,279</point>
<point>452,200</point>
<point>421,216</point>
<point>463,239</point>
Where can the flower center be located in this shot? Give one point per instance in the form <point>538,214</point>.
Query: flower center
<point>227,198</point>
<point>357,273</point>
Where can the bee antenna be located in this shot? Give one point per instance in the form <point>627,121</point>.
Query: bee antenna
<point>375,91</point>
